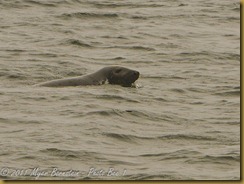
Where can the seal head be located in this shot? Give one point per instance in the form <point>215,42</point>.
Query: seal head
<point>123,76</point>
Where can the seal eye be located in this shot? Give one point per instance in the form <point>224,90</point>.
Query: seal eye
<point>118,70</point>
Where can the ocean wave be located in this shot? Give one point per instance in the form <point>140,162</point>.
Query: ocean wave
<point>41,3</point>
<point>221,159</point>
<point>122,137</point>
<point>135,138</point>
<point>70,154</point>
<point>109,4</point>
<point>237,9</point>
<point>115,36</point>
<point>102,113</point>
<point>117,97</point>
<point>16,50</point>
<point>142,48</point>
<point>13,4</point>
<point>164,77</point>
<point>89,15</point>
<point>118,58</point>
<point>27,157</point>
<point>78,43</point>
<point>126,113</point>
<point>203,53</point>
<point>22,121</point>
<point>197,90</point>
<point>46,54</point>
<point>214,55</point>
<point>186,137</point>
<point>124,4</point>
<point>139,17</point>
<point>153,176</point>
<point>172,155</point>
<point>145,115</point>
<point>229,93</point>
<point>178,90</point>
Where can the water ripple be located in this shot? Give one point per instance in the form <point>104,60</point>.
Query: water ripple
<point>82,15</point>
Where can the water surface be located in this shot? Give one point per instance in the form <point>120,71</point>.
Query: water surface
<point>183,123</point>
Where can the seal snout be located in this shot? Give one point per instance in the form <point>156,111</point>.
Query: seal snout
<point>136,73</point>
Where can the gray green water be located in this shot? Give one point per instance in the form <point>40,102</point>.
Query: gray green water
<point>183,123</point>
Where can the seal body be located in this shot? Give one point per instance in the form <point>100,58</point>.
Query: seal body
<point>113,74</point>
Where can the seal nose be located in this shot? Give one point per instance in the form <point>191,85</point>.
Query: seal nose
<point>136,73</point>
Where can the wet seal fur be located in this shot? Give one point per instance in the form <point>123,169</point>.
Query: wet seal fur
<point>113,74</point>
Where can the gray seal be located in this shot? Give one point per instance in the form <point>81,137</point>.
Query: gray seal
<point>113,74</point>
